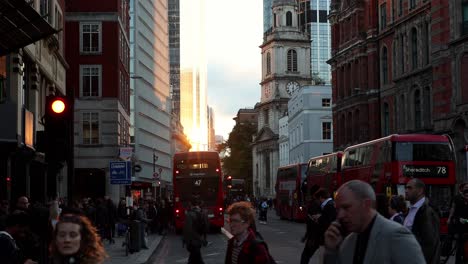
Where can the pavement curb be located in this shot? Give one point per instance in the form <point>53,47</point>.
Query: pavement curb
<point>226,233</point>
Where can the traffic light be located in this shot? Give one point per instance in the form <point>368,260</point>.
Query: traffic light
<point>58,123</point>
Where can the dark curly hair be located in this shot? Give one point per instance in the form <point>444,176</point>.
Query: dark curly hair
<point>91,248</point>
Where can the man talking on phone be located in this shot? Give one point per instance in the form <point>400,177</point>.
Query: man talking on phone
<point>371,237</point>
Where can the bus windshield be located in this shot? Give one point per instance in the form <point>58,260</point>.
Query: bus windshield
<point>423,151</point>
<point>206,188</point>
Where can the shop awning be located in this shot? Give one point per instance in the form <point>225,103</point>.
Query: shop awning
<point>20,25</point>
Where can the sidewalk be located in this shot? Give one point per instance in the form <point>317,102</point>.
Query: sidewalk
<point>116,251</point>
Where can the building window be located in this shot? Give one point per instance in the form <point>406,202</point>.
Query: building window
<point>417,109</point>
<point>59,26</point>
<point>402,54</point>
<point>412,4</point>
<point>90,80</point>
<point>292,60</point>
<point>414,48</point>
<point>384,65</point>
<point>274,20</point>
<point>44,9</point>
<point>326,130</point>
<point>90,128</point>
<point>386,119</point>
<point>383,16</point>
<point>394,66</point>
<point>464,28</point>
<point>289,19</point>
<point>326,102</point>
<point>268,62</point>
<point>90,37</point>
<point>266,117</point>
<point>400,8</point>
<point>427,107</point>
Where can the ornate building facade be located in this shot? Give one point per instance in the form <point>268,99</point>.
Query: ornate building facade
<point>285,68</point>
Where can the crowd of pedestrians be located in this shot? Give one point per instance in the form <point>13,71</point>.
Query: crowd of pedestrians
<point>57,233</point>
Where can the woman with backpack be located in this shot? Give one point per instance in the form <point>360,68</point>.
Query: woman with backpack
<point>245,247</point>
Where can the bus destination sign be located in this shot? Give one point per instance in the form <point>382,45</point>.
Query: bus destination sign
<point>425,171</point>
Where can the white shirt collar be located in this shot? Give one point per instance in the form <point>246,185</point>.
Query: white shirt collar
<point>7,234</point>
<point>325,202</point>
<point>419,203</point>
<point>393,216</point>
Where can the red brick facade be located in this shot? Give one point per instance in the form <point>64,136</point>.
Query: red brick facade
<point>409,63</point>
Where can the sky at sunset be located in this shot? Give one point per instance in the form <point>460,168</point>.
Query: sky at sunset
<point>234,34</point>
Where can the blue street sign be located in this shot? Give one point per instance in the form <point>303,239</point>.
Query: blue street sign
<point>120,172</point>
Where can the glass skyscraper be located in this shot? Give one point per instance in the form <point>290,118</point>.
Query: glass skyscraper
<point>267,14</point>
<point>320,34</point>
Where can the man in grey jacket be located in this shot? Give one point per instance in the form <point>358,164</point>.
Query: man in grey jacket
<point>361,235</point>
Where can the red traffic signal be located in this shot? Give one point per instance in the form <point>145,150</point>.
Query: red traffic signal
<point>57,106</point>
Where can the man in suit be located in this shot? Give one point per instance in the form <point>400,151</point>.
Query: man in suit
<point>423,221</point>
<point>372,238</point>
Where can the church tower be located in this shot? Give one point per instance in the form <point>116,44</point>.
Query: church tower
<point>285,68</point>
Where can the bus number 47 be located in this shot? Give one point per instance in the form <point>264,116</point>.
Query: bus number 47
<point>441,170</point>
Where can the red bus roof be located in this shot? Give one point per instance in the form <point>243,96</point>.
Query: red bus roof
<point>338,154</point>
<point>405,138</point>
<point>291,165</point>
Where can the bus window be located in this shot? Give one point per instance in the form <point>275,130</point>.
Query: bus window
<point>423,151</point>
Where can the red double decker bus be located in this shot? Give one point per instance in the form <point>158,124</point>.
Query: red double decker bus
<point>198,173</point>
<point>324,172</point>
<point>289,195</point>
<point>389,163</point>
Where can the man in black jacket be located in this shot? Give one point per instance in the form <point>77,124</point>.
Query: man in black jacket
<point>311,237</point>
<point>328,211</point>
<point>423,221</point>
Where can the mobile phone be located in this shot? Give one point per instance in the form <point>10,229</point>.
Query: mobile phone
<point>341,228</point>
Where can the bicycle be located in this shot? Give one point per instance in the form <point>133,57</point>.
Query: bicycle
<point>127,242</point>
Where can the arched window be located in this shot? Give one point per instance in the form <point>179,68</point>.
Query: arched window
<point>386,120</point>
<point>343,131</point>
<point>349,127</point>
<point>417,109</point>
<point>394,66</point>
<point>402,54</point>
<point>356,125</point>
<point>268,62</point>
<point>402,113</point>
<point>427,107</point>
<point>414,48</point>
<point>289,19</point>
<point>384,65</point>
<point>292,60</point>
<point>464,78</point>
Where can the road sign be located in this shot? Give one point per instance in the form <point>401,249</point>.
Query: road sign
<point>120,172</point>
<point>126,153</point>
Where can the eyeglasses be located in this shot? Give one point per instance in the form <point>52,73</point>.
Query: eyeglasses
<point>236,221</point>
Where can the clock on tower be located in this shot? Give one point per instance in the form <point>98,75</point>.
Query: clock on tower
<point>292,87</point>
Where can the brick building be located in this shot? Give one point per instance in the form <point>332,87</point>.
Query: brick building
<point>98,52</point>
<point>355,82</point>
<point>400,67</point>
